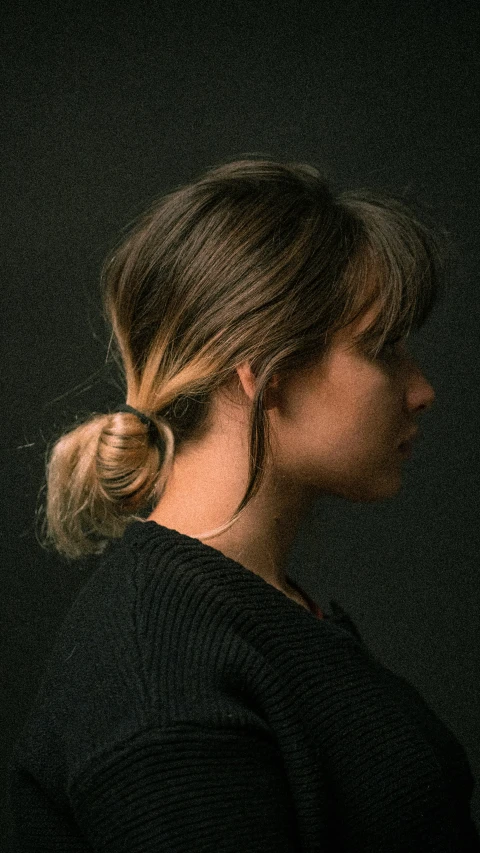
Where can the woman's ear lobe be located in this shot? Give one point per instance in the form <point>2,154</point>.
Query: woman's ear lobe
<point>272,392</point>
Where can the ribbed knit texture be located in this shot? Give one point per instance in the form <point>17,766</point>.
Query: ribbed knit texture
<point>188,705</point>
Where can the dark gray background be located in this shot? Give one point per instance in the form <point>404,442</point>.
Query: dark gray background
<point>109,104</point>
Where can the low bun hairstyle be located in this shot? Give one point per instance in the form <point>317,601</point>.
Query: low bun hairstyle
<point>256,260</point>
<point>99,475</point>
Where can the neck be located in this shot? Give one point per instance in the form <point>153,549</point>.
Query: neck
<point>262,536</point>
<point>202,494</point>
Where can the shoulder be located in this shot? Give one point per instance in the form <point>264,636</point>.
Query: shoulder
<point>160,603</point>
<point>159,609</point>
<point>168,631</point>
<point>149,577</point>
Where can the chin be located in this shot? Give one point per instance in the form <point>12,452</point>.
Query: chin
<point>373,491</point>
<point>361,489</point>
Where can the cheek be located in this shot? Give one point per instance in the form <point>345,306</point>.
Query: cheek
<point>349,419</point>
<point>317,442</point>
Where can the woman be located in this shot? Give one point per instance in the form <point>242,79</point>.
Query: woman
<point>197,699</point>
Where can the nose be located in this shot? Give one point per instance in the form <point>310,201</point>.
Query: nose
<point>419,395</point>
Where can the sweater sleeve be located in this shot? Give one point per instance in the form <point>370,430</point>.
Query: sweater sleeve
<point>187,788</point>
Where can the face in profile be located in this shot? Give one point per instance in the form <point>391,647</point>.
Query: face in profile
<point>341,425</point>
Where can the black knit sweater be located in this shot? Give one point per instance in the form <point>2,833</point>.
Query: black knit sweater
<point>190,706</point>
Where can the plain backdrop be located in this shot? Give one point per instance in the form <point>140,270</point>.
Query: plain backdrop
<point>106,105</point>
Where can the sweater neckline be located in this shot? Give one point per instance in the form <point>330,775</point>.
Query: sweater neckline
<point>337,616</point>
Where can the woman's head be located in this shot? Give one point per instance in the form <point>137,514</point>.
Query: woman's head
<point>257,262</point>
<point>344,424</point>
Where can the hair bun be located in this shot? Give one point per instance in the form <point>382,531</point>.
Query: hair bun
<point>154,433</point>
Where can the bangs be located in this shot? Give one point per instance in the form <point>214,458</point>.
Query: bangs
<point>398,262</point>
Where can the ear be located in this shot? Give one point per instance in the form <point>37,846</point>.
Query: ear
<point>248,383</point>
<point>247,379</point>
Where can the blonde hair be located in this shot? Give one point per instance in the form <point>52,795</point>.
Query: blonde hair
<point>257,260</point>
